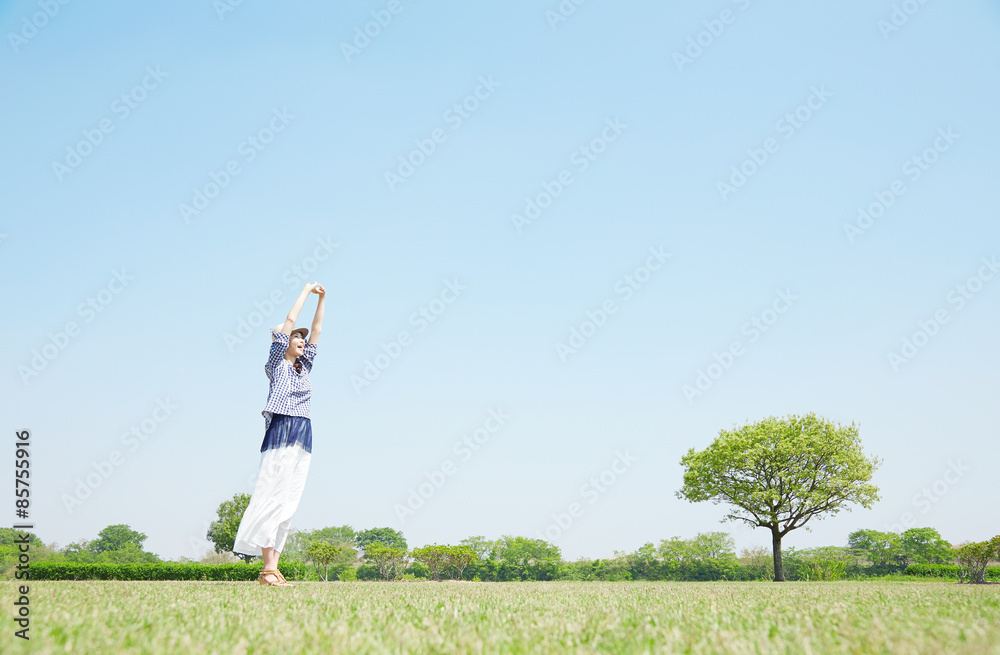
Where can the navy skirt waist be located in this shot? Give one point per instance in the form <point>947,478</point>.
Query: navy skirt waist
<point>287,431</point>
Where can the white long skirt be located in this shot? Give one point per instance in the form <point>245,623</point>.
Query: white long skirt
<point>280,481</point>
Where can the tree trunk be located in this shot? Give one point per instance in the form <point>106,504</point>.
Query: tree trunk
<point>779,574</point>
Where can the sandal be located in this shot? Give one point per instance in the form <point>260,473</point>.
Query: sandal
<point>282,578</point>
<point>279,582</point>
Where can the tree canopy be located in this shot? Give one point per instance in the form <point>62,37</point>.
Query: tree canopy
<point>10,536</point>
<point>117,537</point>
<point>386,536</point>
<point>479,544</point>
<point>525,551</point>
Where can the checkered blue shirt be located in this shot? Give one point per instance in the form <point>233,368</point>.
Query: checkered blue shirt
<point>290,390</point>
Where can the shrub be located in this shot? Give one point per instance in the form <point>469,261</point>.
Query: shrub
<point>947,571</point>
<point>158,571</point>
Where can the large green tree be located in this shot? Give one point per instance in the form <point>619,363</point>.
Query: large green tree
<point>779,473</point>
<point>222,532</point>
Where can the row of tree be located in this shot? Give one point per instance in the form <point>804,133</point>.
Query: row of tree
<point>707,556</point>
<point>341,553</point>
<point>381,553</point>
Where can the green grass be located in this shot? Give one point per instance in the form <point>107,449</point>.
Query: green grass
<point>531,617</point>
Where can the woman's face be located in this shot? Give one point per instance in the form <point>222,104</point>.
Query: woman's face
<point>296,345</point>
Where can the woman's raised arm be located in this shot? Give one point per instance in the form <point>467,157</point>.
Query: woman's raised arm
<point>317,324</point>
<point>293,313</point>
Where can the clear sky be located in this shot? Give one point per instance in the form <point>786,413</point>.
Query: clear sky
<point>674,181</point>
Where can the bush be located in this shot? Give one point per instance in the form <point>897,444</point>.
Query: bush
<point>948,571</point>
<point>293,570</point>
<point>823,563</point>
<point>158,571</point>
<point>417,570</point>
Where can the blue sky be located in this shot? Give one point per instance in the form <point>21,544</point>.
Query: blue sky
<point>106,222</point>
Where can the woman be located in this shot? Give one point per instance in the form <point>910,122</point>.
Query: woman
<point>287,447</point>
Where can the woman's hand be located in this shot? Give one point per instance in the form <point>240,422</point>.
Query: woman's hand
<point>319,290</point>
<point>311,287</point>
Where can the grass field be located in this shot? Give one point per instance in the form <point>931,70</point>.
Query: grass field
<point>895,618</point>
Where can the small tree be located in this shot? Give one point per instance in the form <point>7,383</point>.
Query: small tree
<point>434,557</point>
<point>780,473</point>
<point>459,557</point>
<point>973,558</point>
<point>323,553</point>
<point>388,561</point>
<point>222,532</point>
